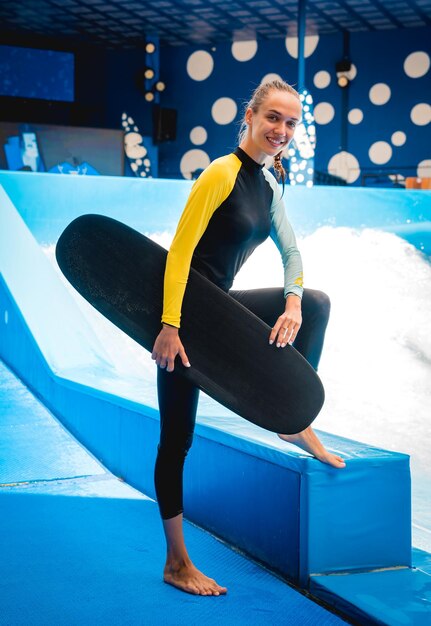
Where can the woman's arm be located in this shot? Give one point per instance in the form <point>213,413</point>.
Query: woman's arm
<point>288,324</point>
<point>209,191</point>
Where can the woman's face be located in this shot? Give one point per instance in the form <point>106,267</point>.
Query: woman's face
<point>271,128</point>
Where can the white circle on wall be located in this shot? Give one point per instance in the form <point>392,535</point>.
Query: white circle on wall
<point>224,110</point>
<point>322,79</point>
<point>244,50</point>
<point>200,64</point>
<point>421,114</point>
<point>379,93</point>
<point>193,160</point>
<point>417,64</point>
<point>380,152</point>
<point>310,45</point>
<point>133,146</point>
<point>351,74</point>
<point>198,135</point>
<point>268,78</point>
<point>398,138</point>
<point>324,113</point>
<point>424,169</point>
<point>355,116</point>
<point>345,165</point>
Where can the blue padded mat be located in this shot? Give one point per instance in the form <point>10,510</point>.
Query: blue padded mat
<point>91,550</point>
<point>397,597</point>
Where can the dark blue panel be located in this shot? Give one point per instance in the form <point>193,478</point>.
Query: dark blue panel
<point>31,73</point>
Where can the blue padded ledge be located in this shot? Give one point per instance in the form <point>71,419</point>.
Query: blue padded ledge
<point>398,597</point>
<point>284,508</point>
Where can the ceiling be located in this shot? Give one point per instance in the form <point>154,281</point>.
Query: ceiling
<point>124,23</point>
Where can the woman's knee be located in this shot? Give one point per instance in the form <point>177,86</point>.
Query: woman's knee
<point>175,447</point>
<point>320,304</point>
<point>324,303</point>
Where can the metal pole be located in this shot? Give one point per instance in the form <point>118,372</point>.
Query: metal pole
<point>301,43</point>
<point>345,96</point>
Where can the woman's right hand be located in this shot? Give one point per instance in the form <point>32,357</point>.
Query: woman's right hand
<point>166,348</point>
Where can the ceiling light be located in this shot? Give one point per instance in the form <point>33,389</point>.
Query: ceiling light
<point>149,73</point>
<point>342,81</point>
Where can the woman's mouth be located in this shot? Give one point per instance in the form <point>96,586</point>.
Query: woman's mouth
<point>275,142</point>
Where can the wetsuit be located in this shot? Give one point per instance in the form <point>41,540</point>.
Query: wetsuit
<point>233,207</point>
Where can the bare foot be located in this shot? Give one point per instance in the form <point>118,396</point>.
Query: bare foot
<point>188,578</point>
<point>309,441</point>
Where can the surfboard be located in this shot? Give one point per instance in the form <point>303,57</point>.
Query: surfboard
<point>120,272</point>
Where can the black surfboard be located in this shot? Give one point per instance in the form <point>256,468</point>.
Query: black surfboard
<point>120,272</point>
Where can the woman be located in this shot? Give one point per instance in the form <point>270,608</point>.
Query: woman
<point>233,206</point>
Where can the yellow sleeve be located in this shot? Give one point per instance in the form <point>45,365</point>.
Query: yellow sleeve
<point>209,191</point>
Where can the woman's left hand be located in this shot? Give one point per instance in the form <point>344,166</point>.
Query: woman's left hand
<point>288,324</point>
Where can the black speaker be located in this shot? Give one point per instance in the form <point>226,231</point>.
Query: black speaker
<point>164,124</point>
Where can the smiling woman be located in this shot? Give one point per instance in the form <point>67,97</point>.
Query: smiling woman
<point>233,207</point>
<point>269,122</point>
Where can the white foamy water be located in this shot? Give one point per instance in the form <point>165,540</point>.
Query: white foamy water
<point>376,364</point>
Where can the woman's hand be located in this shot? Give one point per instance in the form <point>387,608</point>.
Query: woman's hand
<point>288,324</point>
<point>166,348</point>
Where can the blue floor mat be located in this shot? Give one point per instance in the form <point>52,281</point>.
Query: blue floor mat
<point>90,550</point>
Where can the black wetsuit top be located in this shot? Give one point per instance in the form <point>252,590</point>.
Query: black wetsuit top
<point>233,207</point>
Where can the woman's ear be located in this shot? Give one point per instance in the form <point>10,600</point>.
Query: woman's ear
<point>248,116</point>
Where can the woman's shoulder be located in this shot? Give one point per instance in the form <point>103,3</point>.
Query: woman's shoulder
<point>221,169</point>
<point>225,162</point>
<point>269,176</point>
<point>274,184</point>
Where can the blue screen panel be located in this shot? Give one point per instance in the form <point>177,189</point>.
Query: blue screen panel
<point>31,73</point>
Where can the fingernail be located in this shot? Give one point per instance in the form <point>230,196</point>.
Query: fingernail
<point>271,341</point>
<point>188,364</point>
<point>278,345</point>
<point>283,345</point>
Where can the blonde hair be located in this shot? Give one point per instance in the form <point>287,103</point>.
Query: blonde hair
<point>257,98</point>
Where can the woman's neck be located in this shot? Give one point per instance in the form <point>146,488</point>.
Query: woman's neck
<point>253,152</point>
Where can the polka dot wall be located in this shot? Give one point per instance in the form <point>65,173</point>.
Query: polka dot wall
<point>388,102</point>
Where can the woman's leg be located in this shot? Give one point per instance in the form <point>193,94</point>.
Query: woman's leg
<point>178,401</point>
<point>268,304</point>
<point>315,307</point>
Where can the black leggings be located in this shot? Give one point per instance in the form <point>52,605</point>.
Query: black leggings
<point>178,398</point>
